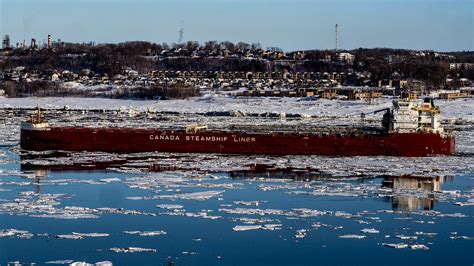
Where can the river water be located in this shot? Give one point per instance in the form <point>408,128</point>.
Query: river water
<point>315,219</point>
<point>206,209</point>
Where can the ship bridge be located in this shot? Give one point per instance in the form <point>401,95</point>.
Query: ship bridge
<point>408,116</point>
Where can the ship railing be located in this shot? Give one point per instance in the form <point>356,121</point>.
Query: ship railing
<point>328,130</point>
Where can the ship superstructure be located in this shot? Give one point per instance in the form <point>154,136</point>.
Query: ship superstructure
<point>409,117</point>
<point>37,122</point>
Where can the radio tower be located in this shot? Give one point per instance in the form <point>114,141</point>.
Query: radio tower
<point>337,37</point>
<point>181,32</point>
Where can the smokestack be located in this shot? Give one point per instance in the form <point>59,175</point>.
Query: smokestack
<point>6,42</point>
<point>337,37</point>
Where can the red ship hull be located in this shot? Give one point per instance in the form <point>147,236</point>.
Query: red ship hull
<point>228,142</point>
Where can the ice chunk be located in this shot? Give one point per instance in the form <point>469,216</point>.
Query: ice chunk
<point>75,237</point>
<point>109,180</point>
<point>189,253</point>
<point>467,203</point>
<point>454,215</point>
<point>169,206</point>
<point>425,234</point>
<point>271,227</point>
<point>66,216</point>
<point>419,246</point>
<point>370,231</point>
<point>60,262</point>
<point>202,195</point>
<point>15,233</point>
<point>81,263</point>
<point>246,227</point>
<point>352,236</point>
<point>91,234</point>
<point>395,245</point>
<point>403,237</point>
<point>301,233</point>
<point>103,263</point>
<point>247,220</point>
<point>247,203</point>
<point>132,250</point>
<point>146,233</point>
<point>462,237</point>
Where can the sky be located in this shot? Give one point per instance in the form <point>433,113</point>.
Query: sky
<point>441,25</point>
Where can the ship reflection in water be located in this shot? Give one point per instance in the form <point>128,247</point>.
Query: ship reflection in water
<point>257,171</point>
<point>408,193</point>
<point>39,174</point>
<point>414,201</point>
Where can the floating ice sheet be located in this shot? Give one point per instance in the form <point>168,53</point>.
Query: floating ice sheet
<point>132,250</point>
<point>146,233</point>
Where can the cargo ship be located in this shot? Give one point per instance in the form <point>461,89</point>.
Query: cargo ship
<point>409,128</point>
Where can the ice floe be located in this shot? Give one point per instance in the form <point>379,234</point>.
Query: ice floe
<point>462,237</point>
<point>15,233</point>
<point>352,236</point>
<point>301,233</point>
<point>146,233</point>
<point>270,227</point>
<point>369,231</point>
<point>395,245</point>
<point>76,235</point>
<point>132,250</point>
<point>403,237</point>
<point>169,206</point>
<point>419,246</point>
<point>60,262</point>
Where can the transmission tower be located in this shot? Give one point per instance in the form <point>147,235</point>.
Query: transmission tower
<point>181,32</point>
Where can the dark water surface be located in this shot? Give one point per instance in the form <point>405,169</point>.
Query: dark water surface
<point>199,241</point>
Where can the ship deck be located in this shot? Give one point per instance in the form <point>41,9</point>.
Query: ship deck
<point>249,129</point>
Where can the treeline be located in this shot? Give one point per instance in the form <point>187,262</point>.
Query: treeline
<point>44,88</point>
<point>113,59</point>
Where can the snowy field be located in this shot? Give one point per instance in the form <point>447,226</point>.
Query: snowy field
<point>462,109</point>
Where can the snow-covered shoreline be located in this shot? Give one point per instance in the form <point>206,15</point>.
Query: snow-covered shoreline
<point>458,109</point>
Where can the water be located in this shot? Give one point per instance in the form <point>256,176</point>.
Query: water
<point>202,241</point>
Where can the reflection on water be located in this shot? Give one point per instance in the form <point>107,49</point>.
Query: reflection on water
<point>269,171</point>
<point>40,174</point>
<point>409,193</point>
<point>412,201</point>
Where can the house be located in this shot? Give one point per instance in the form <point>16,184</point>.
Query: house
<point>55,77</point>
<point>346,58</point>
<point>451,95</point>
<point>360,94</point>
<point>328,94</point>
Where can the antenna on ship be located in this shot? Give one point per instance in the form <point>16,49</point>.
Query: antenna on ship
<point>38,121</point>
<point>38,111</point>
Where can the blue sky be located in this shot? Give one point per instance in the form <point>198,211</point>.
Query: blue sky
<point>443,25</point>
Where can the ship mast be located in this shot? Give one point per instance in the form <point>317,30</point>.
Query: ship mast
<point>38,112</point>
